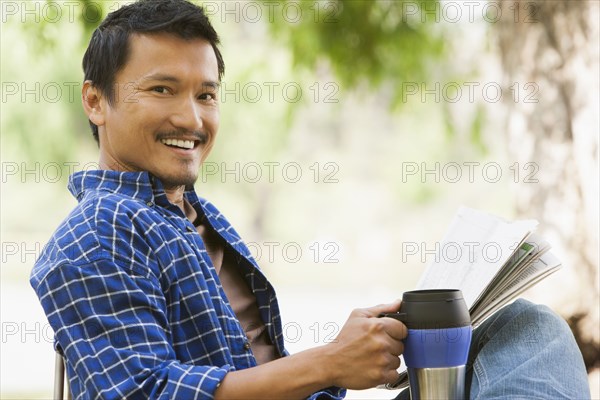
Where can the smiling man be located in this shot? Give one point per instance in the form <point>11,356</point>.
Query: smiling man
<point>153,295</point>
<point>150,291</point>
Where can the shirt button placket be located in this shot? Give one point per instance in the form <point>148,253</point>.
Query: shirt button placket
<point>190,229</point>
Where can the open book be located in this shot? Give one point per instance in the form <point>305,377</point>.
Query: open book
<point>490,260</point>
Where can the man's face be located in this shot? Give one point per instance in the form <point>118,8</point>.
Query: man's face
<point>165,115</point>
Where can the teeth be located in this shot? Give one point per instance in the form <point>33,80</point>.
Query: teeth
<point>184,144</point>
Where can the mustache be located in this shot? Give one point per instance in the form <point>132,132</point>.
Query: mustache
<point>183,133</point>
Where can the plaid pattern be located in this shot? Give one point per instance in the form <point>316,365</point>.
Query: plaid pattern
<point>134,301</point>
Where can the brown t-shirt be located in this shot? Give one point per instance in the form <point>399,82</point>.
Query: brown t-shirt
<point>241,298</point>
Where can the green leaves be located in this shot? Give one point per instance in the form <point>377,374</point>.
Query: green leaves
<point>373,42</point>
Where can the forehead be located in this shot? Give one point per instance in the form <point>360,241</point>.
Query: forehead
<point>166,53</point>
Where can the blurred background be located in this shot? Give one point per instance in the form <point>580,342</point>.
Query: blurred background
<point>351,131</point>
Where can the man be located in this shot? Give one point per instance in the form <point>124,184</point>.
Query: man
<point>150,291</point>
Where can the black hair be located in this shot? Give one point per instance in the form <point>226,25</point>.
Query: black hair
<point>108,50</point>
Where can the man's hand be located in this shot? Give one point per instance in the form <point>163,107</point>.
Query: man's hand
<point>366,352</point>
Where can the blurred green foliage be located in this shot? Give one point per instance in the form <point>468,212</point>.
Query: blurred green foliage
<point>372,42</point>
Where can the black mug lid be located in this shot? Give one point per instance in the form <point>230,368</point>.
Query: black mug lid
<point>433,309</point>
<point>432,295</point>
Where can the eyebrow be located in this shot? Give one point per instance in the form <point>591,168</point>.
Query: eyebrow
<point>170,78</point>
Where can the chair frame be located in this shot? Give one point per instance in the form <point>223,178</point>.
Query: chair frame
<point>60,378</point>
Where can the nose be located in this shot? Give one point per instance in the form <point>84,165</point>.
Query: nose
<point>188,115</point>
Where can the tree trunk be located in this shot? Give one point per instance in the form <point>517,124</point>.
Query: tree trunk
<point>552,46</point>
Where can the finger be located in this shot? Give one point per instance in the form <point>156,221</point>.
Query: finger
<point>382,308</point>
<point>396,348</point>
<point>391,376</point>
<point>394,328</point>
<point>395,363</point>
<point>393,347</point>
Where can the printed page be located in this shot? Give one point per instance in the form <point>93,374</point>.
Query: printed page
<point>536,271</point>
<point>474,249</point>
<point>519,261</point>
<point>521,269</point>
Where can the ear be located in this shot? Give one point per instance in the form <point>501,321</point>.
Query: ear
<point>93,102</point>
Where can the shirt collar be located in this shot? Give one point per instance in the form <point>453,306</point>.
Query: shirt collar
<point>137,185</point>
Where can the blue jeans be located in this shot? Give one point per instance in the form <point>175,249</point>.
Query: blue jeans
<point>524,351</point>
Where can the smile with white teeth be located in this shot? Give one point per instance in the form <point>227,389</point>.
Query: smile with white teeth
<point>184,144</point>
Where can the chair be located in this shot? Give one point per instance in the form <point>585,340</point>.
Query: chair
<point>60,378</point>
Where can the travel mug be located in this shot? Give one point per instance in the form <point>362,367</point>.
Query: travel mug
<point>437,345</point>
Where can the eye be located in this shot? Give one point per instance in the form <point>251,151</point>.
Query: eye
<point>207,97</point>
<point>160,89</point>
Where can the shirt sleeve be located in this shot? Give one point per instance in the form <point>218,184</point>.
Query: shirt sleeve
<point>113,328</point>
<point>332,393</point>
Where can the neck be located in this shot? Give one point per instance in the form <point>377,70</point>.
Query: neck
<point>175,196</point>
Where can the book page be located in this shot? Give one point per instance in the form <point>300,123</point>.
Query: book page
<point>472,252</point>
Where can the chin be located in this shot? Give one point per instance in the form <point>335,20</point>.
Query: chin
<point>175,180</point>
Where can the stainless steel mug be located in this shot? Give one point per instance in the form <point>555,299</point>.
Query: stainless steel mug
<point>437,345</point>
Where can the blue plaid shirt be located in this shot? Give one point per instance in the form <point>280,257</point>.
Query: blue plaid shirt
<point>134,300</point>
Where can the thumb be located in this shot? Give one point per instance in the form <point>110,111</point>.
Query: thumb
<point>383,308</point>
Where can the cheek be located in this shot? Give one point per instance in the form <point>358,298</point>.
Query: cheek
<point>138,123</point>
<point>213,120</point>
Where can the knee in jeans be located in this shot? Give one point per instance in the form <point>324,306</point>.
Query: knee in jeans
<point>538,318</point>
